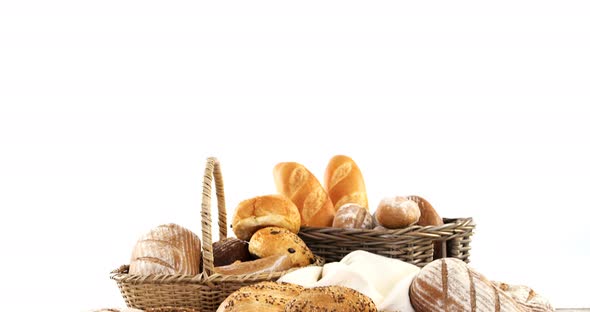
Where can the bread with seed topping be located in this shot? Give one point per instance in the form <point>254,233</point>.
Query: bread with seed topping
<point>330,298</point>
<point>263,296</point>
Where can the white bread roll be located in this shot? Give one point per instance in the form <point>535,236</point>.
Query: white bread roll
<point>344,182</point>
<point>262,211</point>
<point>353,216</point>
<point>301,186</point>
<point>526,297</point>
<point>448,284</point>
<point>167,249</point>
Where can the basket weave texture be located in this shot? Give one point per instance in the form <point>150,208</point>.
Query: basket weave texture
<point>203,292</point>
<point>414,244</point>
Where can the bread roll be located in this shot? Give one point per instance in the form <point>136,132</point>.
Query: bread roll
<point>450,285</point>
<point>270,264</point>
<point>353,216</point>
<point>167,249</point>
<point>230,250</point>
<point>273,241</point>
<point>397,212</point>
<point>526,298</point>
<point>260,297</point>
<point>344,182</point>
<point>429,216</point>
<point>298,184</point>
<point>330,298</point>
<point>262,211</point>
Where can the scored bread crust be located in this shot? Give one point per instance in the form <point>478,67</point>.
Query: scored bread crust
<point>303,188</point>
<point>344,182</point>
<point>166,249</point>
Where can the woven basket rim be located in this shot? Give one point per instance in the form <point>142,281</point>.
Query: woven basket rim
<point>449,230</point>
<point>121,275</point>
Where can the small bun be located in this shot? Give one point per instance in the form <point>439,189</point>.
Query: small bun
<point>353,216</point>
<point>230,250</point>
<point>273,241</point>
<point>331,298</point>
<point>262,211</point>
<point>263,296</point>
<point>397,212</point>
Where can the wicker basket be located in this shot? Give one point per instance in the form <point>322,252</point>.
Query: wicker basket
<point>414,244</point>
<point>203,292</point>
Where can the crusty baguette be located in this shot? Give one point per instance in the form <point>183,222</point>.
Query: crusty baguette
<point>270,264</point>
<point>167,249</point>
<point>344,182</point>
<point>301,186</point>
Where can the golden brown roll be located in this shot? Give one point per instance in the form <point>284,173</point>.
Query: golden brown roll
<point>397,212</point>
<point>330,298</point>
<point>262,211</point>
<point>260,297</point>
<point>167,249</point>
<point>301,186</point>
<point>344,182</point>
<point>273,241</point>
<point>353,216</point>
<point>230,250</point>
<point>270,264</point>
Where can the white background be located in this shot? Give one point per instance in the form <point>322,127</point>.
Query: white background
<point>108,110</point>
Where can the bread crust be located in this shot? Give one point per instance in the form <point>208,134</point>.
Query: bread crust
<point>262,211</point>
<point>298,184</point>
<point>272,241</point>
<point>344,182</point>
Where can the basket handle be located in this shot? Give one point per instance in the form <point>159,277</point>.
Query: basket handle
<point>212,172</point>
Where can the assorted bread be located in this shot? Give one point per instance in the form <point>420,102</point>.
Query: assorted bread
<point>266,241</point>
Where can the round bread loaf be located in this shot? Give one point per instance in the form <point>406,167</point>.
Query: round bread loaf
<point>167,249</point>
<point>262,211</point>
<point>263,296</point>
<point>397,212</point>
<point>353,216</point>
<point>449,284</point>
<point>273,241</point>
<point>331,298</point>
<point>230,250</point>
